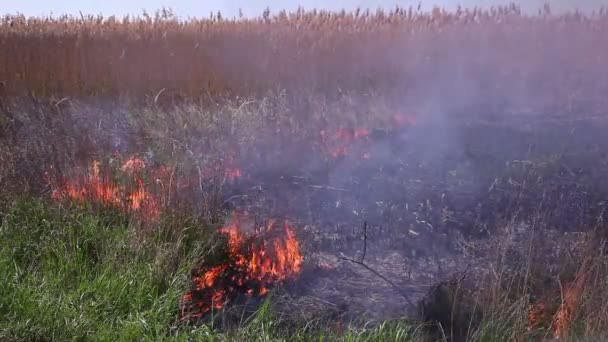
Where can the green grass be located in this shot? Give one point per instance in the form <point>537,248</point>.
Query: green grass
<point>70,275</point>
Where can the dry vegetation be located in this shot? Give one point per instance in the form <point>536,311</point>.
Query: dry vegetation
<point>541,63</point>
<point>472,142</point>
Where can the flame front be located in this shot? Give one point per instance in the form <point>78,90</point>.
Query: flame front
<point>560,318</point>
<point>345,142</point>
<point>97,186</point>
<point>255,264</point>
<point>340,143</point>
<point>571,302</point>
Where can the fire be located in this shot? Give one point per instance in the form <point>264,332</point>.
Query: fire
<point>255,264</point>
<point>536,316</point>
<point>128,184</point>
<point>226,169</point>
<point>97,186</point>
<point>233,174</point>
<point>345,142</point>
<point>341,142</point>
<point>571,302</point>
<point>560,318</point>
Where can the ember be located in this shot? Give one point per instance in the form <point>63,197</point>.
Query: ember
<point>226,169</point>
<point>356,142</point>
<point>255,264</point>
<point>233,174</point>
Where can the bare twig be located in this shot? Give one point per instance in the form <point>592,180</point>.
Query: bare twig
<point>229,199</point>
<point>397,288</point>
<point>245,104</point>
<point>364,241</point>
<point>378,274</point>
<point>326,187</point>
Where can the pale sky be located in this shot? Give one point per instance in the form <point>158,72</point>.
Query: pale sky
<point>202,8</point>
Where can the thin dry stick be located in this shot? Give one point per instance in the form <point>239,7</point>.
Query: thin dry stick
<point>326,188</point>
<point>364,241</point>
<point>378,274</point>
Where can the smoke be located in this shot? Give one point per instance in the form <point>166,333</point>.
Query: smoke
<point>415,178</point>
<point>253,8</point>
<point>256,7</point>
<point>233,8</point>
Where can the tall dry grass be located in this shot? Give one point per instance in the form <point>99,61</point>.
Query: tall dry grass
<point>498,60</point>
<point>499,57</point>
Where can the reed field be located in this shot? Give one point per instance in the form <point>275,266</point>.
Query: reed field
<point>549,63</point>
<point>393,175</point>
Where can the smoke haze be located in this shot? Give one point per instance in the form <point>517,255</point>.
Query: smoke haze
<point>230,8</point>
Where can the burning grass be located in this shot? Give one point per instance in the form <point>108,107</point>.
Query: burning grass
<point>239,261</point>
<point>500,202</point>
<point>95,186</point>
<point>72,274</point>
<point>254,265</point>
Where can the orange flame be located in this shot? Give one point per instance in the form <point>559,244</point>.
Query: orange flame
<point>252,269</point>
<point>227,169</point>
<point>571,302</point>
<point>233,174</point>
<point>560,319</point>
<point>536,316</point>
<point>340,143</point>
<point>95,187</point>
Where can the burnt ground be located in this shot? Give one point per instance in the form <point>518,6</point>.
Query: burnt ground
<point>441,201</point>
<point>448,198</point>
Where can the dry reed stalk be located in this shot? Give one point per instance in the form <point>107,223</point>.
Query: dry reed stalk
<point>383,53</point>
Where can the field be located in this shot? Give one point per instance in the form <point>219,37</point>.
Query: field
<point>355,176</point>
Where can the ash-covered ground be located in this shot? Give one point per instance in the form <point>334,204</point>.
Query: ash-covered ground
<point>406,210</point>
<point>385,214</point>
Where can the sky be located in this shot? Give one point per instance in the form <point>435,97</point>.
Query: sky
<point>202,8</point>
